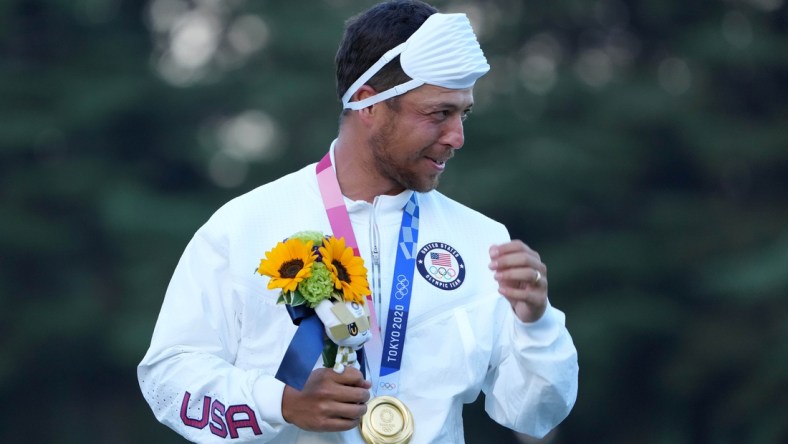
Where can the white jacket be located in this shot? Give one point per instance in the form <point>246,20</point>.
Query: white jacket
<point>220,336</point>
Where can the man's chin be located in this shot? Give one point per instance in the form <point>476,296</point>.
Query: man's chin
<point>424,186</point>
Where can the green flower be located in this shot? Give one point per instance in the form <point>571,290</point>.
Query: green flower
<point>305,236</point>
<point>317,287</point>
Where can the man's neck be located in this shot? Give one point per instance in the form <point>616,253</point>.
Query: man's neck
<point>356,173</point>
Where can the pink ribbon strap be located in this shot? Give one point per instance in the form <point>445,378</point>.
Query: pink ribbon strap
<point>342,228</point>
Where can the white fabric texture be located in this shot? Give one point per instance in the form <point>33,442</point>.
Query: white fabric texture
<point>442,52</point>
<point>220,335</point>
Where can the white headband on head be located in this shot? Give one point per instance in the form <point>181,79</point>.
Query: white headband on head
<point>442,52</point>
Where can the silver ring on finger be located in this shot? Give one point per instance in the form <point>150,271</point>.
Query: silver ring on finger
<point>538,277</point>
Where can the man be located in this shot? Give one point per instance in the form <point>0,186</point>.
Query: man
<point>469,313</point>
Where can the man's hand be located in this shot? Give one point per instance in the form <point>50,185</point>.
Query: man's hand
<point>329,402</point>
<point>522,278</point>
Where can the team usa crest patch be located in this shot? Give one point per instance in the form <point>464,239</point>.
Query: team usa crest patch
<point>441,265</point>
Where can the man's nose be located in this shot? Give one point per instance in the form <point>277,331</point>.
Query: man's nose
<point>453,134</point>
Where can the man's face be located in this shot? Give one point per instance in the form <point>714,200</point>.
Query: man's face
<point>411,144</point>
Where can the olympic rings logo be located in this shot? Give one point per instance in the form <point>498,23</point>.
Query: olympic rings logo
<point>388,385</point>
<point>445,273</point>
<point>441,266</point>
<point>401,286</point>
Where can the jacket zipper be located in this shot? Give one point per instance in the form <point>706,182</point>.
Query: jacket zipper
<point>374,235</point>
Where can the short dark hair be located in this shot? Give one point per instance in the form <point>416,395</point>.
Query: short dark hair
<point>370,34</point>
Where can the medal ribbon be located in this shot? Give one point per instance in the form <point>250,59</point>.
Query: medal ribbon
<point>341,227</point>
<point>402,284</point>
<point>399,301</point>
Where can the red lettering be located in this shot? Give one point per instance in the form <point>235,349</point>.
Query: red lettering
<point>222,420</point>
<point>234,424</point>
<point>197,424</point>
<point>217,426</point>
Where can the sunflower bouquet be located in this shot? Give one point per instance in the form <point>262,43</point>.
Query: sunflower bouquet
<point>322,273</point>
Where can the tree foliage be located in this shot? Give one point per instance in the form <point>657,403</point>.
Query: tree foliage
<point>640,147</point>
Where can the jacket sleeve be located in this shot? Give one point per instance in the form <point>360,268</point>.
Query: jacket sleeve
<point>532,383</point>
<point>187,376</point>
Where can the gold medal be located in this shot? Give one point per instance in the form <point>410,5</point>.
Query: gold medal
<point>387,421</point>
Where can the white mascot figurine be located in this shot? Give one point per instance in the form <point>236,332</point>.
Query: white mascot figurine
<point>347,324</point>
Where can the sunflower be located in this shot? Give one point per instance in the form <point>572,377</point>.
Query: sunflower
<point>288,263</point>
<point>347,270</point>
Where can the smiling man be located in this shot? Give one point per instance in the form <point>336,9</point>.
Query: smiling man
<point>456,307</point>
<point>387,149</point>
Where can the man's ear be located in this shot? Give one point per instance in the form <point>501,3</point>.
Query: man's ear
<point>367,114</point>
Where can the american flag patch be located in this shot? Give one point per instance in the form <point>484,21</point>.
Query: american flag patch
<point>441,259</point>
<point>441,265</point>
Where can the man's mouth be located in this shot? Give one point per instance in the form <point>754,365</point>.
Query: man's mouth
<point>438,161</point>
<point>438,164</point>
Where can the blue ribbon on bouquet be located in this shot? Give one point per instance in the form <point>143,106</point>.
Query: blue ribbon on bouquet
<point>305,347</point>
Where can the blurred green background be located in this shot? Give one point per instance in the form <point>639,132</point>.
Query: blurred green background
<point>640,146</point>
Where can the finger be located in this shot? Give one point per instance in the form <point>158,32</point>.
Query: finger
<point>353,377</point>
<point>518,277</point>
<point>528,280</point>
<point>347,410</point>
<point>508,260</point>
<point>349,394</point>
<point>513,246</point>
<point>529,295</point>
<point>338,424</point>
<point>518,269</point>
<point>518,260</point>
